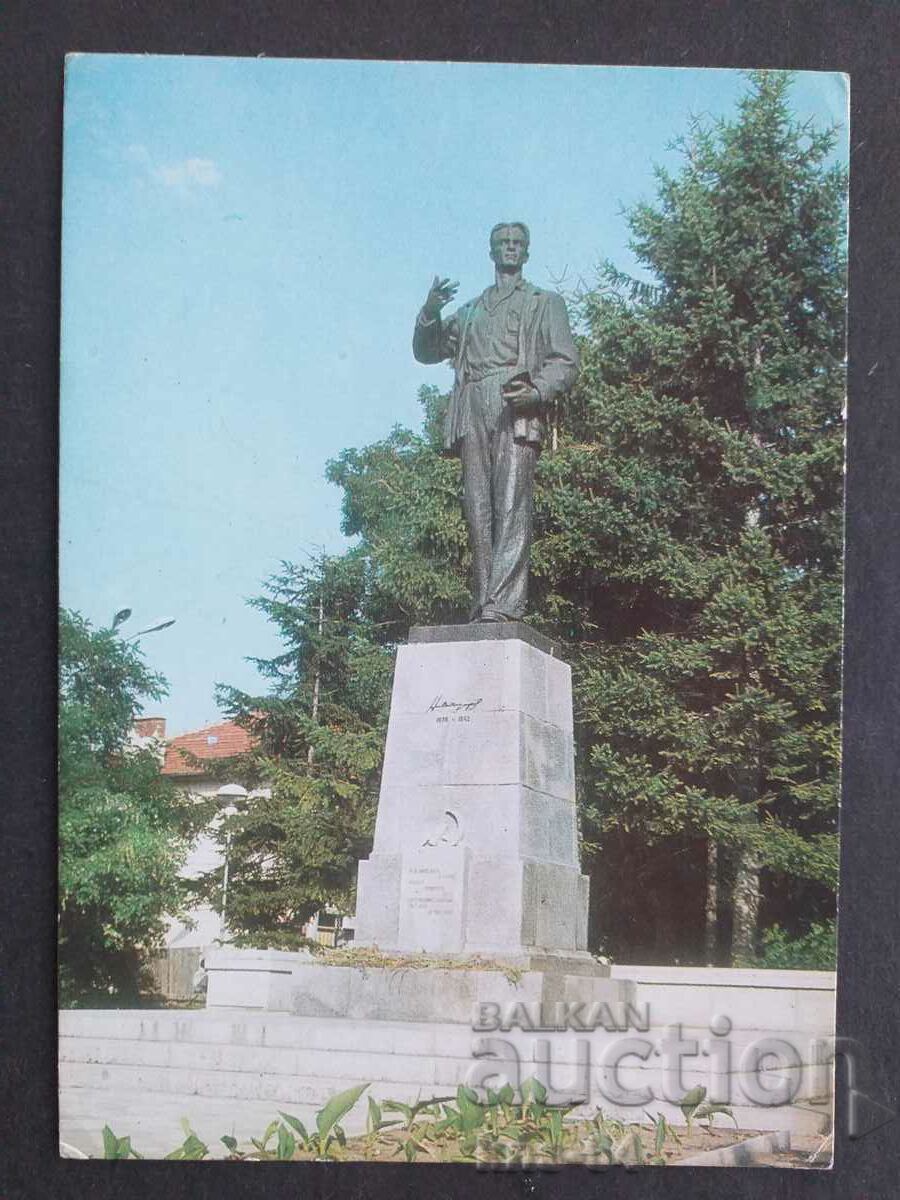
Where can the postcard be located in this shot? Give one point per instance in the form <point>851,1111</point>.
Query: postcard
<point>451,596</point>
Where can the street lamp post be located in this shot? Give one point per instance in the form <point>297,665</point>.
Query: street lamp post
<point>124,614</point>
<point>229,792</point>
<point>151,629</point>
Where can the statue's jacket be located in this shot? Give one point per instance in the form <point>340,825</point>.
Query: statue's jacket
<point>547,354</point>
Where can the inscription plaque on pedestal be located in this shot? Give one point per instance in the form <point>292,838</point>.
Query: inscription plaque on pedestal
<point>432,899</point>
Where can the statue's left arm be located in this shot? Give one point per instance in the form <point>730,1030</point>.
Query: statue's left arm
<point>559,368</point>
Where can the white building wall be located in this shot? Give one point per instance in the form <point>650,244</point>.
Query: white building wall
<point>205,924</point>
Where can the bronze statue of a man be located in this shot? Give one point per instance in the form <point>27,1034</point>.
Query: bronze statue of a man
<point>513,354</point>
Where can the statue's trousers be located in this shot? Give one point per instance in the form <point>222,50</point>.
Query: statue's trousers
<point>498,481</point>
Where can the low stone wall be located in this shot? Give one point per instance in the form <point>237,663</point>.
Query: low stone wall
<point>798,1004</point>
<point>756,1035</point>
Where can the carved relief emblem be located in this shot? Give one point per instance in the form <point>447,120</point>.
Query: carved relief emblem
<point>448,832</point>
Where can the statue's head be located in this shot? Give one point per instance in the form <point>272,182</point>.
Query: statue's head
<point>509,244</point>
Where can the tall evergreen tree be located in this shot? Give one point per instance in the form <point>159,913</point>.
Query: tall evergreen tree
<point>692,519</point>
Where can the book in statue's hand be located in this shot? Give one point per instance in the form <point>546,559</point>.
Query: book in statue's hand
<point>523,379</point>
<point>512,389</point>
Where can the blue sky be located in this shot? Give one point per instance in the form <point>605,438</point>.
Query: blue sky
<point>245,245</point>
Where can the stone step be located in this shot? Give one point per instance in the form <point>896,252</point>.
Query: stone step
<point>160,1062</point>
<point>241,1031</point>
<point>310,1076</point>
<point>240,1028</point>
<point>188,1059</point>
<point>153,1119</point>
<point>234,1085</point>
<point>339,1058</point>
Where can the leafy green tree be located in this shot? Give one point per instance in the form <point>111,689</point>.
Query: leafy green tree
<point>401,498</point>
<point>123,830</point>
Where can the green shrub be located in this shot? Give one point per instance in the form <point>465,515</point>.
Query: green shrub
<point>815,950</point>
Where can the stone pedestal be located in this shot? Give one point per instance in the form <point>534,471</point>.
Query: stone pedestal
<point>475,858</point>
<point>476,848</point>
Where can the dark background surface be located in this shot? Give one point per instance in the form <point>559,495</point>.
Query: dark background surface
<point>860,38</point>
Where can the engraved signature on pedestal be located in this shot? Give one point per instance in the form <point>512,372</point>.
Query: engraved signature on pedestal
<point>441,702</point>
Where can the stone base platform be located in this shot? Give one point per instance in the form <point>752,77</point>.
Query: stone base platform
<point>294,982</point>
<point>230,1071</point>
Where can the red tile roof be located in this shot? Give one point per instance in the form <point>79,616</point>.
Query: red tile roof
<point>215,741</point>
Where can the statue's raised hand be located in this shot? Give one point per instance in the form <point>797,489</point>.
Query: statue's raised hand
<point>440,293</point>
